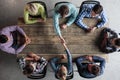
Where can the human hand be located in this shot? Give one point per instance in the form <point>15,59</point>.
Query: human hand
<point>41,20</point>
<point>63,26</point>
<point>91,29</point>
<point>89,58</point>
<point>28,40</point>
<point>63,56</point>
<point>63,41</point>
<point>34,56</point>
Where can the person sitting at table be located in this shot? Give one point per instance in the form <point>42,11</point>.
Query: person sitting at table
<point>64,10</point>
<point>109,41</point>
<point>91,11</point>
<point>90,66</point>
<point>62,70</point>
<point>33,13</point>
<point>32,64</point>
<point>13,39</point>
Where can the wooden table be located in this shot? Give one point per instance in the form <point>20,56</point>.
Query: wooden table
<point>45,42</point>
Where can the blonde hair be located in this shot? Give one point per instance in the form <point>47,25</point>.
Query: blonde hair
<point>62,73</point>
<point>32,8</point>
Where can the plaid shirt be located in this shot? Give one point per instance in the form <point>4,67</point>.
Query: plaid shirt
<point>86,12</point>
<point>40,64</point>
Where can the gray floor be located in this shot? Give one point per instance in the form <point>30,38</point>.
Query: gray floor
<point>10,10</point>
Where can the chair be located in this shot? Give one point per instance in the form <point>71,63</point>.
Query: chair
<point>60,3</point>
<point>42,3</point>
<point>88,2</point>
<point>40,75</point>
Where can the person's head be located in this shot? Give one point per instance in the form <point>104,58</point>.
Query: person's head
<point>29,68</point>
<point>94,69</point>
<point>62,73</point>
<point>32,8</point>
<point>63,10</point>
<point>117,42</point>
<point>3,38</point>
<point>97,9</point>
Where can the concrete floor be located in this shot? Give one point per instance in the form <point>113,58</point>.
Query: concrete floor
<point>10,10</point>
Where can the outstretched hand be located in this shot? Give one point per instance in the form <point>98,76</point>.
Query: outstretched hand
<point>63,41</point>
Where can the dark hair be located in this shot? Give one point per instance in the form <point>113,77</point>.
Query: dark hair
<point>28,69</point>
<point>3,38</point>
<point>63,10</point>
<point>117,42</point>
<point>97,9</point>
<point>95,70</point>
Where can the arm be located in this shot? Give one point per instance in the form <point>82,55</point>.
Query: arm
<point>56,23</point>
<point>101,61</point>
<point>10,29</point>
<point>20,30</point>
<point>79,19</point>
<point>57,27</point>
<point>8,50</point>
<point>20,48</point>
<point>73,16</point>
<point>41,11</point>
<point>53,63</point>
<point>27,18</point>
<point>79,61</point>
<point>69,57</point>
<point>102,21</point>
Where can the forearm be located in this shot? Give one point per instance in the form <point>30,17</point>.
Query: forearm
<point>9,50</point>
<point>69,57</point>
<point>21,31</point>
<point>79,60</point>
<point>80,23</point>
<point>29,59</point>
<point>20,48</point>
<point>102,21</point>
<point>43,15</point>
<point>27,20</point>
<point>53,63</point>
<point>100,60</point>
<point>30,21</point>
<point>70,20</point>
<point>56,24</point>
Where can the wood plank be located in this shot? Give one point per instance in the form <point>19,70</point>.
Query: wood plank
<point>74,56</point>
<point>45,40</point>
<point>69,39</point>
<point>57,48</point>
